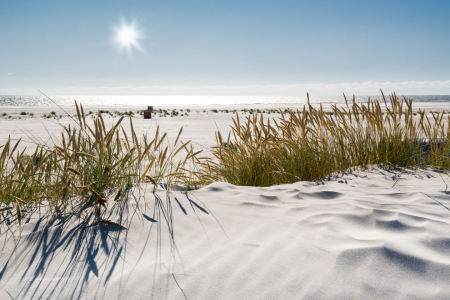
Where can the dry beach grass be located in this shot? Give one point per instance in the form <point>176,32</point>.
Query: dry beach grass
<point>312,144</point>
<point>91,166</point>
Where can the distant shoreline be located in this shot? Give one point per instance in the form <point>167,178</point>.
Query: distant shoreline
<point>199,101</point>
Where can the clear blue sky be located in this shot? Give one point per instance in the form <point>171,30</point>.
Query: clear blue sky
<point>71,44</point>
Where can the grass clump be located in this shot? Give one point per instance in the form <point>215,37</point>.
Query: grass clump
<point>89,167</point>
<point>92,165</point>
<point>313,144</point>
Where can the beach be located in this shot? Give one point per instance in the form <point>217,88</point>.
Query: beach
<point>354,237</point>
<point>294,150</point>
<point>367,233</point>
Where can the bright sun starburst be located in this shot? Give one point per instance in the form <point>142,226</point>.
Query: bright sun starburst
<point>127,36</point>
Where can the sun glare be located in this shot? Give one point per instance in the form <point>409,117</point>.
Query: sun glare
<point>127,36</point>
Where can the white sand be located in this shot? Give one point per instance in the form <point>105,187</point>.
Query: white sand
<point>354,237</point>
<point>351,238</point>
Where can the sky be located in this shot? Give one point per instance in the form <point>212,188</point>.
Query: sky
<point>229,47</point>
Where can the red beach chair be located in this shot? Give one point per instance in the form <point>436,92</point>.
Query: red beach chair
<point>148,113</point>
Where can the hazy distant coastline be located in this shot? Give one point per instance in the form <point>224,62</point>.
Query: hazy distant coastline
<point>18,100</point>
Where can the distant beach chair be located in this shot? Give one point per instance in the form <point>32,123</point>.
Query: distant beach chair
<point>148,113</point>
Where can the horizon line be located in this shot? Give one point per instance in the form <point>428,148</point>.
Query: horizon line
<point>367,88</point>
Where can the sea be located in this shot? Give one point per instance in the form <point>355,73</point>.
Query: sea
<point>19,100</point>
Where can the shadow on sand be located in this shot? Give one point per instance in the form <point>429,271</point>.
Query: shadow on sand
<point>62,259</point>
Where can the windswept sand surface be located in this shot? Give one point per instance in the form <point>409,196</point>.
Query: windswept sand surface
<point>354,237</point>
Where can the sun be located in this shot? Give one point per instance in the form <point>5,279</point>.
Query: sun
<point>128,36</point>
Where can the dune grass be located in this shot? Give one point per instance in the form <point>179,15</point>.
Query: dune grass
<point>89,167</point>
<point>313,144</point>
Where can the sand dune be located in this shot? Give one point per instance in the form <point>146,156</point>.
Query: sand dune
<point>353,237</point>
